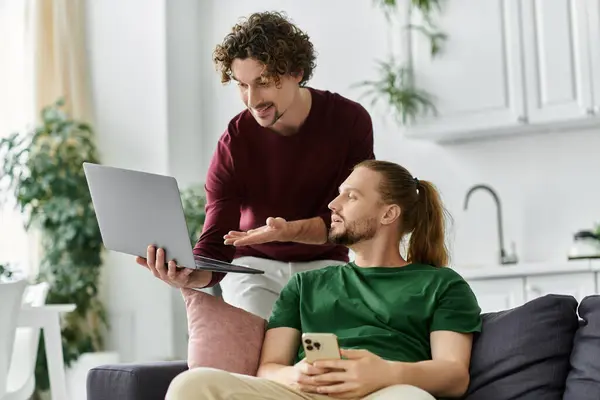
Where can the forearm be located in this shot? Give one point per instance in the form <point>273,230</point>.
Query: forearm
<point>205,279</point>
<point>438,377</point>
<point>275,372</point>
<point>221,216</point>
<point>309,231</point>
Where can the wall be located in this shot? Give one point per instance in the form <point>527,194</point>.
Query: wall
<point>147,100</point>
<point>160,107</point>
<point>185,118</point>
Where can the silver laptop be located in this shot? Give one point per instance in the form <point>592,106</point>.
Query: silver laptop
<point>136,209</point>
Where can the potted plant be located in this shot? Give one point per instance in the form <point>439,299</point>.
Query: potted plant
<point>193,199</point>
<point>396,84</point>
<point>42,169</point>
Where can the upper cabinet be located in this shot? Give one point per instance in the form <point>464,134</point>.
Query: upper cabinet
<point>509,66</point>
<point>477,81</point>
<point>556,59</point>
<point>594,45</point>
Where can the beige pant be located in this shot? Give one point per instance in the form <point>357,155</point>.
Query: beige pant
<point>257,293</point>
<point>214,384</point>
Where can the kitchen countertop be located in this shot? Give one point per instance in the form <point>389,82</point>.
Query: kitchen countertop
<point>477,272</point>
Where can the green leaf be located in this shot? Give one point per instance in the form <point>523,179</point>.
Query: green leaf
<point>426,6</point>
<point>396,88</point>
<point>387,6</point>
<point>436,38</point>
<point>193,200</point>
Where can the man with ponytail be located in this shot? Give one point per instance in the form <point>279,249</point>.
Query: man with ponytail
<point>404,324</point>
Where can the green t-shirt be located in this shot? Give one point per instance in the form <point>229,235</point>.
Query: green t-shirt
<point>388,311</point>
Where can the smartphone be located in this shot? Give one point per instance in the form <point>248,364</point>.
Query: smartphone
<point>320,346</point>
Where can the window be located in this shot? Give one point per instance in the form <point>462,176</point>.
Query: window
<point>17,247</point>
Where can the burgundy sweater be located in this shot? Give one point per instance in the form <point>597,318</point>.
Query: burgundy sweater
<point>256,173</point>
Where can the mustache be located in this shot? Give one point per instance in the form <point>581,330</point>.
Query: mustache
<point>261,106</point>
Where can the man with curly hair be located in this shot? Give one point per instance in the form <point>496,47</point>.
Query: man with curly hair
<point>275,168</point>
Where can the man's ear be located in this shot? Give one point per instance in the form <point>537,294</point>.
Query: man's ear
<point>298,75</point>
<point>392,214</point>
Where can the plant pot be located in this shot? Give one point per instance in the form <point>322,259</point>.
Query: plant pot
<point>76,375</point>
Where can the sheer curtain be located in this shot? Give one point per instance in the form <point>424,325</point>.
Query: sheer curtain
<point>42,58</point>
<point>17,247</point>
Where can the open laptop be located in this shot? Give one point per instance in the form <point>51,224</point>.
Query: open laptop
<point>136,209</point>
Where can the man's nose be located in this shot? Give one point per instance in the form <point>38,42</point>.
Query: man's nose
<point>333,205</point>
<point>253,98</point>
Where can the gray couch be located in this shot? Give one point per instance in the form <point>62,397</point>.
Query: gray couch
<point>546,349</point>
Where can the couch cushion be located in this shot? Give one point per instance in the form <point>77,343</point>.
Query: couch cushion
<point>145,381</point>
<point>523,353</point>
<point>583,382</point>
<point>222,336</point>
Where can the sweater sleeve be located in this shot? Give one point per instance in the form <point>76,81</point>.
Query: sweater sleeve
<point>360,147</point>
<point>222,208</point>
<point>361,144</point>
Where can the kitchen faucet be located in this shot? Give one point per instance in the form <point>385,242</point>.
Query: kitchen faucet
<point>504,257</point>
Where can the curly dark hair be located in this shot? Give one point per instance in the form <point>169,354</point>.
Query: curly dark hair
<point>272,40</point>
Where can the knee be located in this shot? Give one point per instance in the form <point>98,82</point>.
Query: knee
<point>191,383</point>
<point>407,392</point>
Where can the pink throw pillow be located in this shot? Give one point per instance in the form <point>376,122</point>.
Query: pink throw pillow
<point>222,336</point>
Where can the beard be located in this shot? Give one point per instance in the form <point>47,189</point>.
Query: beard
<point>276,116</point>
<point>353,232</point>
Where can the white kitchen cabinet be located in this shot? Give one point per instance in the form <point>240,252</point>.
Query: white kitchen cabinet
<point>498,294</point>
<point>598,281</point>
<point>477,80</point>
<point>509,67</point>
<point>578,285</point>
<point>593,13</point>
<point>556,58</point>
<point>503,287</point>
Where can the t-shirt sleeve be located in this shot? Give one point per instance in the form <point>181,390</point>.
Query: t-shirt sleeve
<point>286,310</point>
<point>457,309</point>
<point>222,207</point>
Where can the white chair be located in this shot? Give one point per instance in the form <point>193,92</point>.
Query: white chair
<point>46,317</point>
<point>33,315</point>
<point>21,375</point>
<point>11,295</point>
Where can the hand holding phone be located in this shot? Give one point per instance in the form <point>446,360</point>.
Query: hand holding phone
<point>320,346</point>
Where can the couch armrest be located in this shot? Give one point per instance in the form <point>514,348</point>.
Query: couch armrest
<point>147,381</point>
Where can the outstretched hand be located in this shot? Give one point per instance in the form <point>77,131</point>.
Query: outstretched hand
<point>359,374</point>
<point>275,230</point>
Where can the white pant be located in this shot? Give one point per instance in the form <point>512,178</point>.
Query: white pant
<point>256,293</point>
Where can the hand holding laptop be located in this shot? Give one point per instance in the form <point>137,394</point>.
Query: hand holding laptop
<point>175,276</point>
